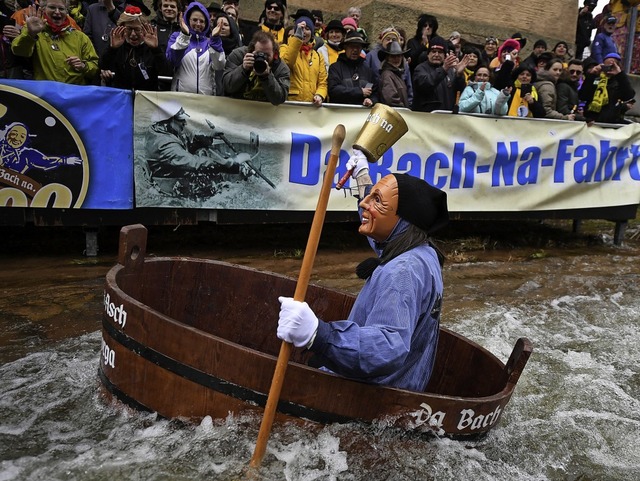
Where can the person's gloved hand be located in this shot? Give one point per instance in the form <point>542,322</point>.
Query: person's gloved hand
<point>297,324</point>
<point>358,161</point>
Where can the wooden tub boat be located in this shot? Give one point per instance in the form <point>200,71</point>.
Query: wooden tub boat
<point>189,337</point>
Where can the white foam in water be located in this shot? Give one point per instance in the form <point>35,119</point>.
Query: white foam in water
<point>575,413</point>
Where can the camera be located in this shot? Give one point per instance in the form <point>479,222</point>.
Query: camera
<point>260,62</point>
<point>606,68</point>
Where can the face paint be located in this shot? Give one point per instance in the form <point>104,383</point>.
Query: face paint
<point>379,209</point>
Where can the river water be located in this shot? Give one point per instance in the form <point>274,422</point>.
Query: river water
<point>575,414</point>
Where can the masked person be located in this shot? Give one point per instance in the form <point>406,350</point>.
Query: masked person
<point>391,334</point>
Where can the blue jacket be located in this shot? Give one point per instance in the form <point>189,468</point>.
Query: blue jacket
<point>391,334</point>
<point>488,101</point>
<point>602,45</point>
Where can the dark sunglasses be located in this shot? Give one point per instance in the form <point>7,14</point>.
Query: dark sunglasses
<point>273,7</point>
<point>574,71</point>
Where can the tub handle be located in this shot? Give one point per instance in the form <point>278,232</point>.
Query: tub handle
<point>132,246</point>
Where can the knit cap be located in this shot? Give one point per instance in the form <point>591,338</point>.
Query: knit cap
<point>421,204</point>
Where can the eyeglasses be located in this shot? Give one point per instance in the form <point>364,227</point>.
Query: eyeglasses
<point>53,8</point>
<point>573,72</point>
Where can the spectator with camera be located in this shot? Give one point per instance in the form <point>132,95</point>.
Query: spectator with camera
<point>308,72</point>
<point>585,26</point>
<point>508,51</point>
<point>481,98</point>
<point>607,91</point>
<point>255,72</point>
<point>524,100</point>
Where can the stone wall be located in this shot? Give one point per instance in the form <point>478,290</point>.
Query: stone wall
<point>552,21</point>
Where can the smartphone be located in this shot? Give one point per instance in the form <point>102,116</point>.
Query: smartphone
<point>5,20</point>
<point>369,86</point>
<point>525,89</point>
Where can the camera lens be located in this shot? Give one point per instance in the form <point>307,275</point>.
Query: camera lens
<point>259,62</point>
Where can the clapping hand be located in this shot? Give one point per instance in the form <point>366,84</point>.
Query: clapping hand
<point>10,31</point>
<point>117,36</point>
<point>450,61</point>
<point>216,30</point>
<point>183,26</point>
<point>150,35</point>
<point>76,63</point>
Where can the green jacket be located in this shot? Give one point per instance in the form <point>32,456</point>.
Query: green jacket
<point>49,55</point>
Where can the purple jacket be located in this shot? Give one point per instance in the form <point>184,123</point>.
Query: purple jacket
<point>195,57</point>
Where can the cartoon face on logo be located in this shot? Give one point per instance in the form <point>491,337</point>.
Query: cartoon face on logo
<point>43,162</point>
<point>17,136</point>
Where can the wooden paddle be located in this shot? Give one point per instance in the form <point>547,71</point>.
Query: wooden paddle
<point>299,295</point>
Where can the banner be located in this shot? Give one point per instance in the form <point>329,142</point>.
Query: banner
<point>484,164</point>
<point>68,146</point>
<point>65,146</point>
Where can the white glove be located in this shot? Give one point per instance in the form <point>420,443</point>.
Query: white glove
<point>358,161</point>
<point>297,324</point>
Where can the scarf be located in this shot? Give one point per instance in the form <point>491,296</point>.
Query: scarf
<point>57,30</point>
<point>519,107</point>
<point>306,48</point>
<point>600,96</point>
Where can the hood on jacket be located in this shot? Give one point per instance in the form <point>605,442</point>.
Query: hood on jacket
<point>545,75</point>
<point>207,21</point>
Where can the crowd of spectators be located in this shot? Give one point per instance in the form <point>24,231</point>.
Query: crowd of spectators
<point>212,50</point>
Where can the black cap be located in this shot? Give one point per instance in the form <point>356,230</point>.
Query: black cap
<point>301,12</point>
<point>214,7</point>
<point>335,25</point>
<point>421,204</point>
<point>354,37</point>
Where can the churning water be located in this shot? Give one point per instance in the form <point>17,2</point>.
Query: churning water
<point>575,414</point>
